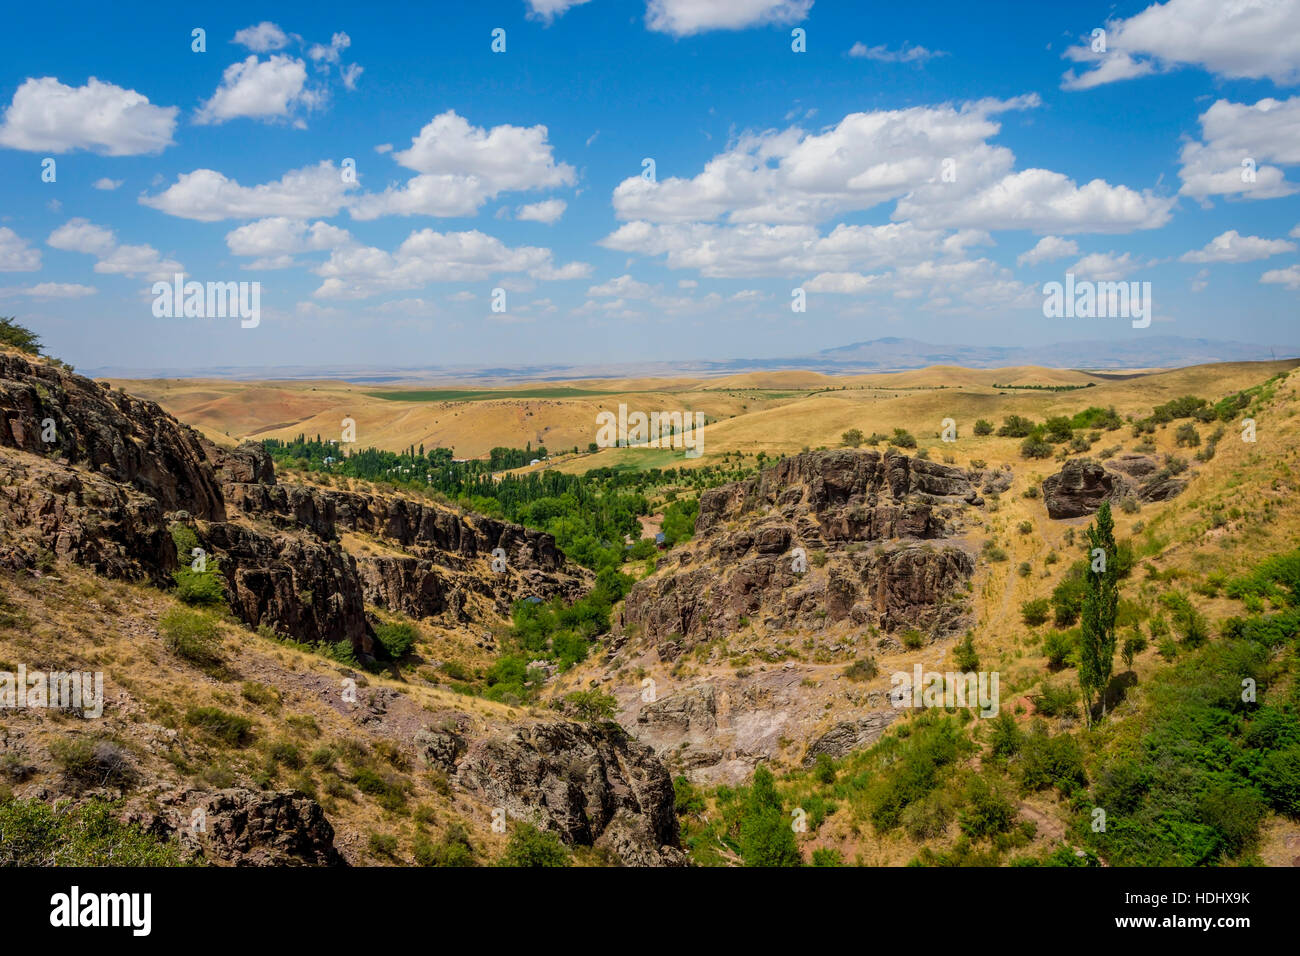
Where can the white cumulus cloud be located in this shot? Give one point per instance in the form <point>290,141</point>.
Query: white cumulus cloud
<point>1239,146</point>
<point>547,211</point>
<point>209,196</point>
<point>271,89</point>
<point>687,17</point>
<point>263,38</point>
<point>112,257</point>
<point>1238,39</point>
<point>460,167</point>
<point>1231,246</point>
<point>47,116</point>
<point>16,255</point>
<point>1046,249</point>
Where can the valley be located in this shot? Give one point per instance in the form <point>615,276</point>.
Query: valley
<point>392,656</point>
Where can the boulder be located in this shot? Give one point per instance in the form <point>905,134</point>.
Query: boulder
<point>590,785</point>
<point>1080,487</point>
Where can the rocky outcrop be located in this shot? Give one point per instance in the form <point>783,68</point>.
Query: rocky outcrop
<point>847,495</point>
<point>1082,484</point>
<point>849,735</point>
<point>415,525</point>
<point>449,556</point>
<point>51,511</point>
<point>250,463</point>
<point>50,412</point>
<point>98,478</point>
<point>242,827</point>
<point>296,585</point>
<point>1079,488</point>
<point>816,539</point>
<point>289,507</point>
<point>591,786</point>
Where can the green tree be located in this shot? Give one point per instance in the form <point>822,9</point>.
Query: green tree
<point>1100,604</point>
<point>17,337</point>
<point>765,835</point>
<point>853,437</point>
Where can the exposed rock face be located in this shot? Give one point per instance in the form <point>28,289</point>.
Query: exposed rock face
<point>250,463</point>
<point>126,439</point>
<point>1082,484</point>
<point>591,786</point>
<point>849,735</point>
<point>743,563</point>
<point>440,748</point>
<point>118,472</point>
<point>449,555</point>
<point>80,517</point>
<point>243,827</point>
<point>289,507</point>
<point>412,524</point>
<point>852,495</point>
<point>293,584</point>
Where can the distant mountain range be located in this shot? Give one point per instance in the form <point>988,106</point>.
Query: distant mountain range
<point>878,355</point>
<point>1155,351</point>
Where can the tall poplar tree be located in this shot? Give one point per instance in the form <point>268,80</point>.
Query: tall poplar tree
<point>1100,604</point>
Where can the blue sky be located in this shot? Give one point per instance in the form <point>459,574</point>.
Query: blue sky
<point>522,170</point>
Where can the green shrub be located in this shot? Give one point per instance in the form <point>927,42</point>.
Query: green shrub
<point>593,705</point>
<point>1035,612</point>
<point>765,835</point>
<point>383,844</point>
<point>824,769</point>
<point>863,669</point>
<point>199,588</point>
<point>454,849</point>
<point>231,729</point>
<point>1034,447</point>
<point>35,833</point>
<point>1005,738</point>
<point>192,636</point>
<point>1046,761</point>
<point>268,698</point>
<point>389,792</point>
<point>530,847</point>
<point>1134,644</point>
<point>827,856</point>
<point>986,812</point>
<point>396,639</point>
<point>1059,648</point>
<point>1014,426</point>
<point>965,655</point>
<point>934,745</point>
<point>88,763</point>
<point>687,798</point>
<point>1055,700</point>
